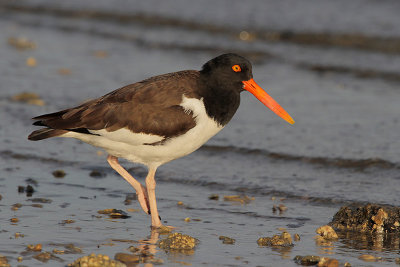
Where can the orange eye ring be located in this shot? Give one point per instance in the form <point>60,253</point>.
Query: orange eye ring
<point>236,68</point>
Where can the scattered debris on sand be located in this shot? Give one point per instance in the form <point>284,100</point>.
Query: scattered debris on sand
<point>282,240</point>
<point>178,242</point>
<point>370,218</point>
<point>96,260</point>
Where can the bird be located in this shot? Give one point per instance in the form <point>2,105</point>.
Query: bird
<point>159,119</point>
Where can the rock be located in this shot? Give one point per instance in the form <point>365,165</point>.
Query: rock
<point>187,219</point>
<point>114,213</point>
<point>59,174</point>
<point>37,247</point>
<point>282,240</point>
<point>43,257</point>
<point>241,199</point>
<point>214,197</point>
<point>21,43</point>
<point>14,220</point>
<point>97,174</point>
<point>327,232</point>
<point>370,218</point>
<point>178,241</point>
<point>369,258</point>
<point>227,240</point>
<point>296,237</point>
<point>31,62</point>
<point>307,260</point>
<point>328,262</point>
<point>29,98</point>
<point>94,260</point>
<point>128,259</point>
<point>4,261</point>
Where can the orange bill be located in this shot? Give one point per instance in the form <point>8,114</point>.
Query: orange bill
<point>267,100</point>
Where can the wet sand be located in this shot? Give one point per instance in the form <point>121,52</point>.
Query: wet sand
<point>339,81</point>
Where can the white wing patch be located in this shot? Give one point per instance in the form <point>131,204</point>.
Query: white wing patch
<point>126,136</point>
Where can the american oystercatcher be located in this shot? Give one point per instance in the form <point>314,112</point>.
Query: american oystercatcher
<point>159,119</point>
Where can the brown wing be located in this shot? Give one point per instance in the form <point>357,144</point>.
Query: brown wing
<point>151,106</point>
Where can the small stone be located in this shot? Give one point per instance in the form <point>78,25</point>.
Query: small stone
<point>67,221</point>
<point>30,189</point>
<point>346,264</point>
<point>178,241</point>
<point>73,249</point>
<point>327,232</point>
<point>59,174</point>
<point>4,261</point>
<point>164,229</point>
<point>43,257</point>
<point>307,260</point>
<point>283,240</point>
<point>29,98</point>
<point>37,206</point>
<point>18,235</point>
<point>41,200</point>
<point>296,237</point>
<point>214,197</point>
<point>100,54</point>
<point>241,199</point>
<point>180,203</point>
<point>57,251</point>
<point>37,247</point>
<point>21,43</point>
<point>227,240</point>
<point>31,62</point>
<point>369,258</point>
<point>19,259</point>
<point>282,208</point>
<point>128,259</point>
<point>16,206</point>
<point>21,189</point>
<point>187,219</point>
<point>14,220</point>
<point>64,71</point>
<point>328,262</point>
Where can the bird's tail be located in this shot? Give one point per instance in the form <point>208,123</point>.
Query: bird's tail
<point>45,133</point>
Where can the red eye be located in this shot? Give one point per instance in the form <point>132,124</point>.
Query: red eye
<point>236,68</point>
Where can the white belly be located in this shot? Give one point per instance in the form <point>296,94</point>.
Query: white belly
<point>131,146</point>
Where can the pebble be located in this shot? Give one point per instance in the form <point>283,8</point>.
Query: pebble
<point>227,240</point>
<point>369,258</point>
<point>241,199</point>
<point>18,235</point>
<point>178,241</point>
<point>4,261</point>
<point>284,240</point>
<point>14,220</point>
<point>94,260</point>
<point>37,247</point>
<point>328,262</point>
<point>187,219</point>
<point>214,197</point>
<point>43,257</point>
<point>180,203</point>
<point>296,237</point>
<point>59,173</point>
<point>327,232</point>
<point>307,260</point>
<point>31,62</point>
<point>29,98</point>
<point>114,213</point>
<point>21,43</point>
<point>128,259</point>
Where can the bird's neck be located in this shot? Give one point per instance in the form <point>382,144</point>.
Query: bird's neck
<point>220,102</point>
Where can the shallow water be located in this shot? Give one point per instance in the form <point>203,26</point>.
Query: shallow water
<point>343,147</point>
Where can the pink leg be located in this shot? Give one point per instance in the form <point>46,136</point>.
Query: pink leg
<point>151,192</point>
<point>141,191</point>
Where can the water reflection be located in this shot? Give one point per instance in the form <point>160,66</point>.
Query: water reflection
<point>367,241</point>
